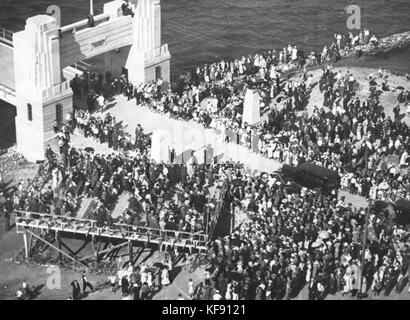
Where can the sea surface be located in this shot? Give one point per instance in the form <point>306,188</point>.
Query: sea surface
<point>203,31</point>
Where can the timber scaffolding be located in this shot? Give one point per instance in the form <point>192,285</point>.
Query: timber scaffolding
<point>39,225</point>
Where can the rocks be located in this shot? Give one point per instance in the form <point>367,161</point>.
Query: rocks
<point>11,160</point>
<point>393,42</point>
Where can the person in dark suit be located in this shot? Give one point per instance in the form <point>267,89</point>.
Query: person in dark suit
<point>145,291</point>
<point>76,290</point>
<point>86,283</point>
<point>8,210</point>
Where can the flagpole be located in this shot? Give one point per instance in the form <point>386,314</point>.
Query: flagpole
<point>366,231</point>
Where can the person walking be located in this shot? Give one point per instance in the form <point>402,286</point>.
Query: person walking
<point>27,293</point>
<point>191,288</point>
<point>86,283</point>
<point>76,290</point>
<point>101,102</point>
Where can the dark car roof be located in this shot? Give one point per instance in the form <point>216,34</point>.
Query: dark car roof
<point>318,171</point>
<point>402,205</point>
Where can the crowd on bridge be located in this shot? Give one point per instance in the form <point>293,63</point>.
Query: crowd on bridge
<point>338,135</point>
<point>164,196</point>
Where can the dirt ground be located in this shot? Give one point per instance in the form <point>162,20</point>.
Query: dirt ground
<point>12,273</point>
<point>388,99</point>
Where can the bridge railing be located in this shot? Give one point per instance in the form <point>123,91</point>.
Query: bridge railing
<point>82,66</point>
<point>6,36</point>
<point>26,219</point>
<point>82,24</point>
<point>58,89</point>
<point>7,94</point>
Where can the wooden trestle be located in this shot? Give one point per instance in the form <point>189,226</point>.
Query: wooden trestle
<point>37,224</point>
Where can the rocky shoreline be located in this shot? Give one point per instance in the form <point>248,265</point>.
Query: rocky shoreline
<point>387,44</point>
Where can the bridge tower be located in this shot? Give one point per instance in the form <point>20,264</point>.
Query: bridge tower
<point>44,51</point>
<point>148,58</point>
<point>42,95</point>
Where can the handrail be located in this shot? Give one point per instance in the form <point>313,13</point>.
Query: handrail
<point>83,23</point>
<point>7,90</point>
<point>117,227</point>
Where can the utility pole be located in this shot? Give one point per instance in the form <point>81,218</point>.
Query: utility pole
<point>366,232</point>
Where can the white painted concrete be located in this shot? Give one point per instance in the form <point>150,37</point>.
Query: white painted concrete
<point>188,136</point>
<point>44,49</point>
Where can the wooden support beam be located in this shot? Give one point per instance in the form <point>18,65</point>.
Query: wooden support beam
<point>130,252</point>
<point>104,251</point>
<point>98,250</point>
<point>30,243</point>
<point>94,247</point>
<point>68,248</point>
<point>99,245</point>
<point>25,243</point>
<point>54,247</point>
<point>112,255</point>
<point>81,248</point>
<point>58,238</point>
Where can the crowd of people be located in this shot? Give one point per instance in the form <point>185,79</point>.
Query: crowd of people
<point>289,239</point>
<point>338,135</point>
<point>354,138</point>
<point>166,196</point>
<point>292,240</point>
<point>142,282</point>
<point>219,81</point>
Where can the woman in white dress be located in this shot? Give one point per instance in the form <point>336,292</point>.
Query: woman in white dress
<point>144,277</point>
<point>308,272</point>
<point>191,288</point>
<point>149,279</point>
<point>228,294</point>
<point>55,179</point>
<point>165,277</point>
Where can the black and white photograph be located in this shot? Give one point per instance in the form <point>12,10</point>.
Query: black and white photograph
<point>191,151</point>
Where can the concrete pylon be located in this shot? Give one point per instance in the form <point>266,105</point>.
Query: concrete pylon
<point>251,107</point>
<point>148,58</point>
<point>42,96</point>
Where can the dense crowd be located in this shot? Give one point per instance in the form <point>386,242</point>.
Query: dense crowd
<point>291,240</point>
<point>165,196</point>
<point>353,137</point>
<point>337,135</point>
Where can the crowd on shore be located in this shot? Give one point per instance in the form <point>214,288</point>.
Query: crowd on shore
<point>355,138</point>
<point>292,240</point>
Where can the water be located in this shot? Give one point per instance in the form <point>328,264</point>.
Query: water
<point>199,32</point>
<point>203,31</point>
